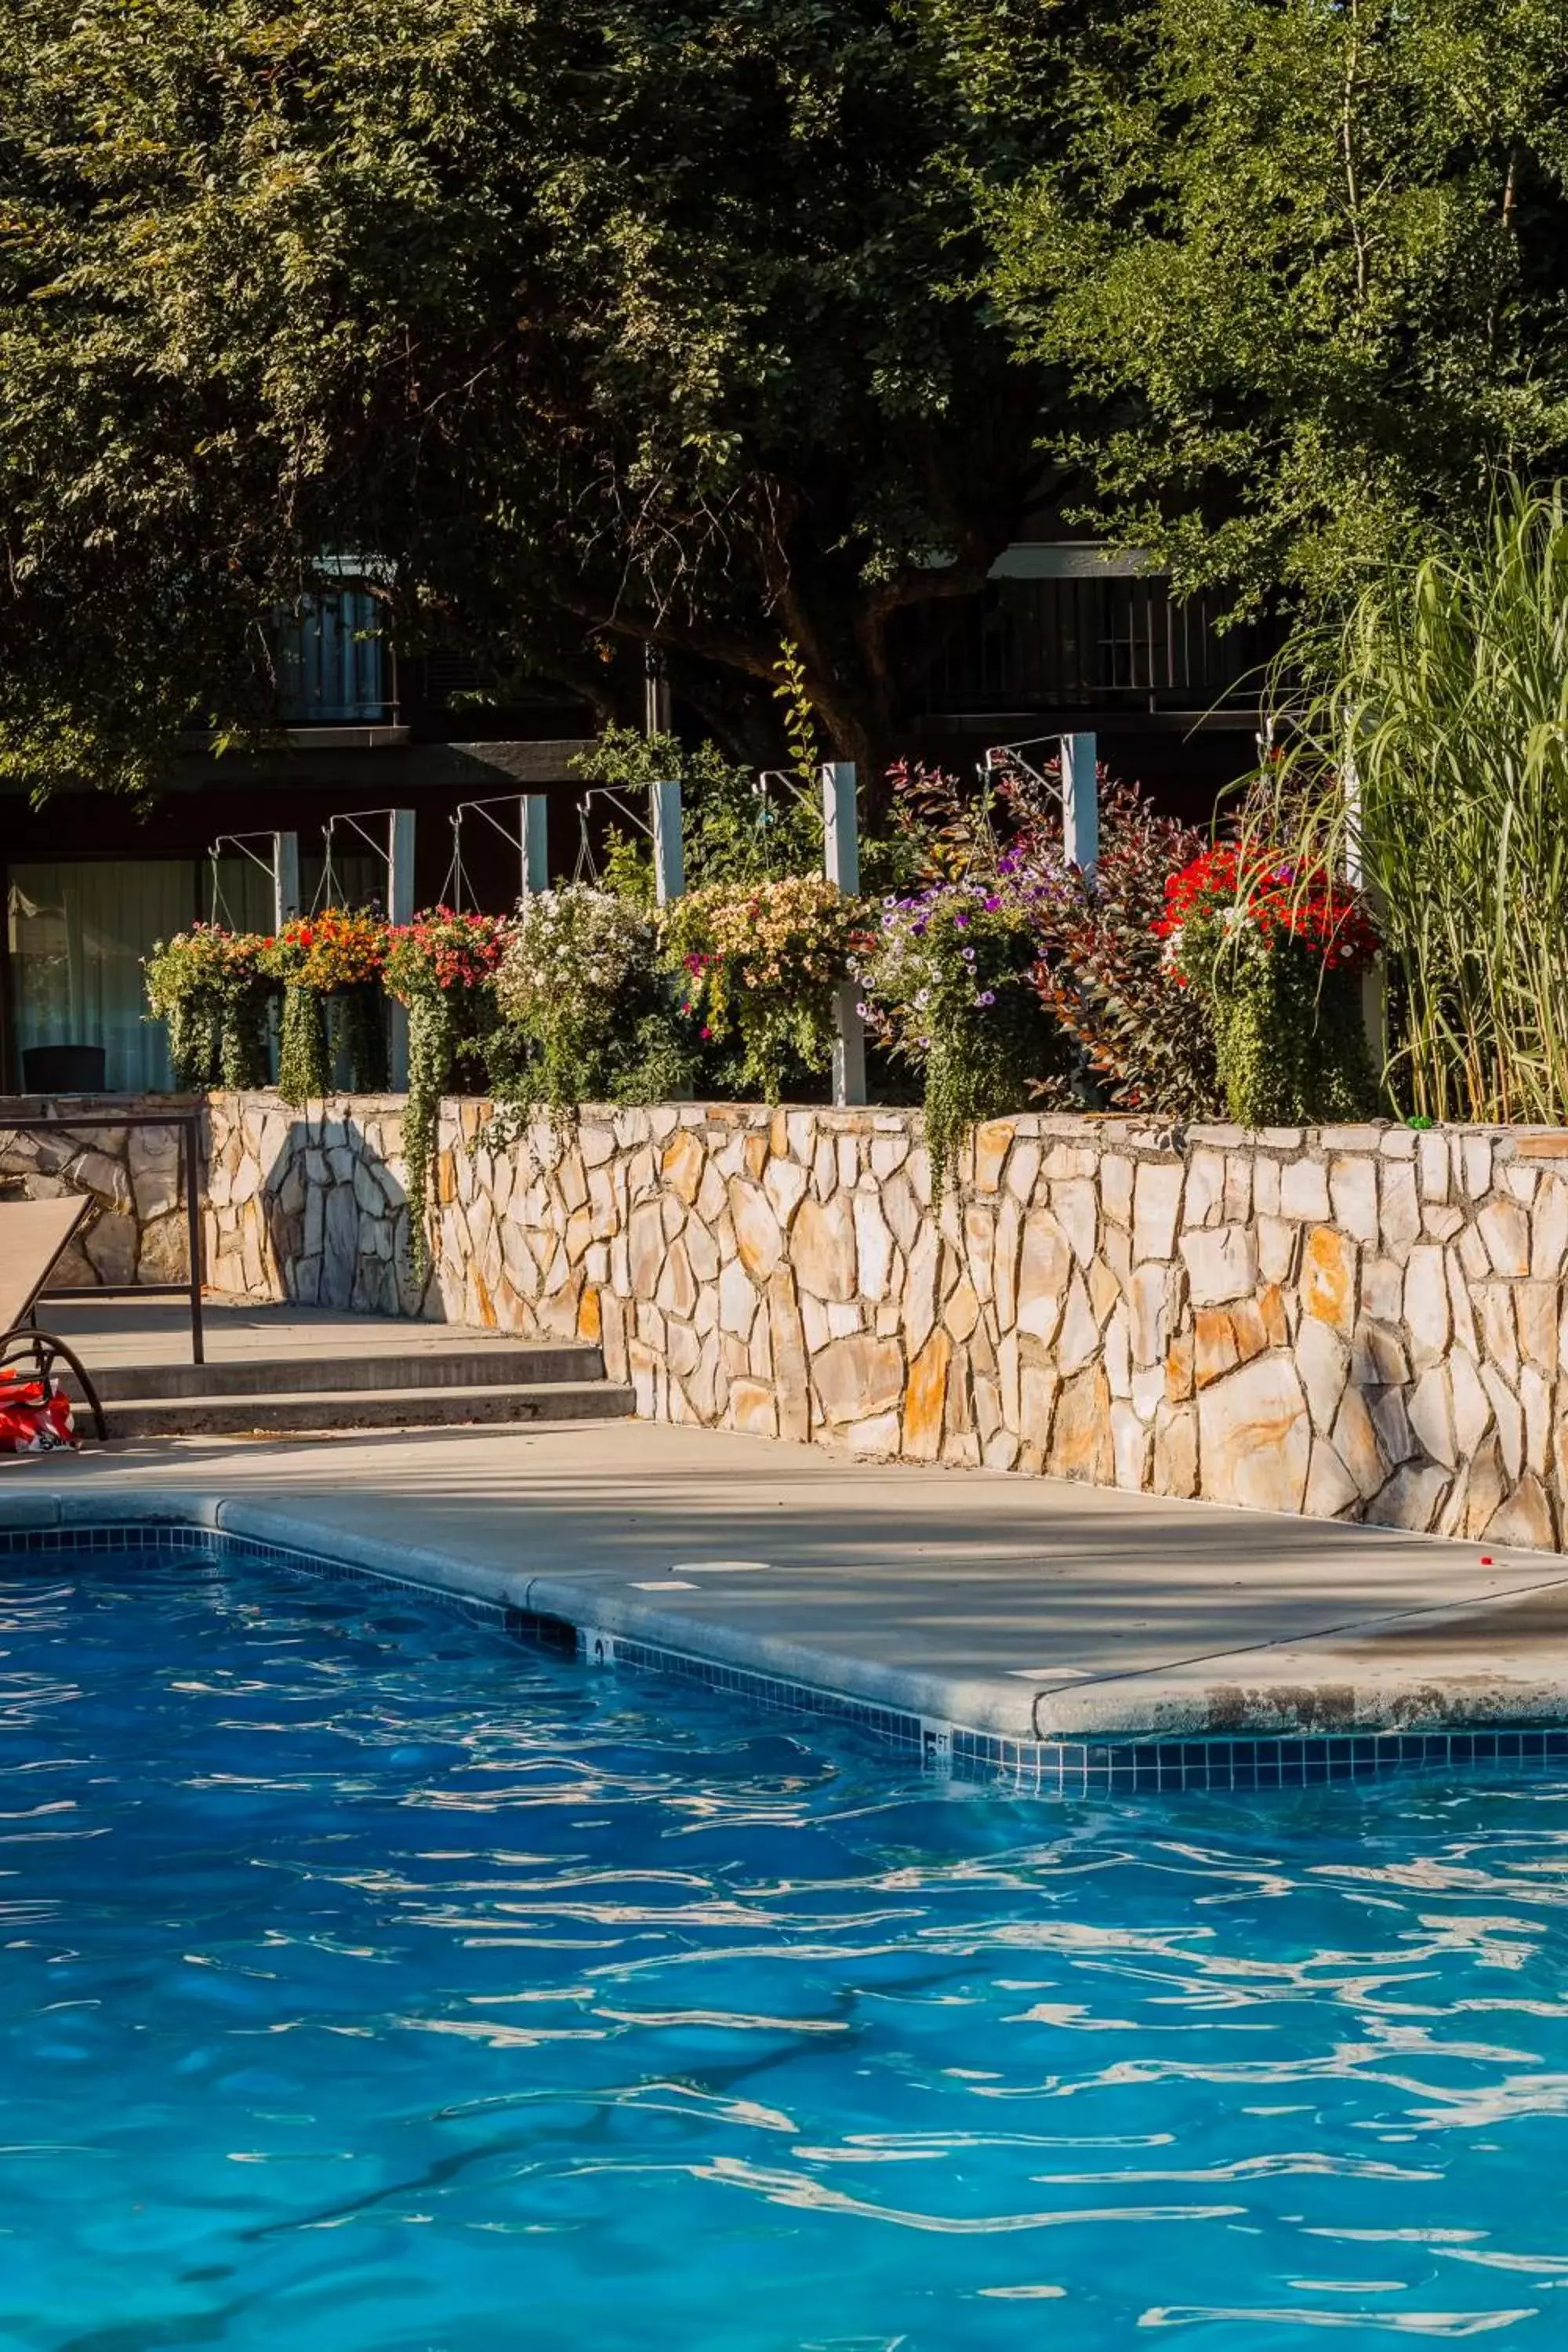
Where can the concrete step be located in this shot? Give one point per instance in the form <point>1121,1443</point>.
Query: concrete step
<point>423,1369</point>
<point>313,1411</point>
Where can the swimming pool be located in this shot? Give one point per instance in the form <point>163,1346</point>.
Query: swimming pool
<point>371,1982</point>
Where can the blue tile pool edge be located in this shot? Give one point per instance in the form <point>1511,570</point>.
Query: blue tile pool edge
<point>1133,1766</point>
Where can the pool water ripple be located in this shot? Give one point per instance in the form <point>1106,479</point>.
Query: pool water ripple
<point>368,1981</point>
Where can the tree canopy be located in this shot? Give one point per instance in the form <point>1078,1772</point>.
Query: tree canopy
<point>636,319</point>
<point>1304,264</point>
<point>706,324</point>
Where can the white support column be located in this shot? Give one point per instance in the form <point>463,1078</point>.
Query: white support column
<point>399,910</point>
<point>285,878</point>
<point>841,863</point>
<point>536,844</point>
<point>668,860</point>
<point>841,826</point>
<point>1080,801</point>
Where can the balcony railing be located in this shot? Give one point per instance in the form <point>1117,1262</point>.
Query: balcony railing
<point>334,666</point>
<point>1060,643</point>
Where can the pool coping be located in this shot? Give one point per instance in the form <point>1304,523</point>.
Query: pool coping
<point>913,1713</point>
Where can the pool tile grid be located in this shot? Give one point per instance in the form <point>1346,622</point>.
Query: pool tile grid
<point>1139,1767</point>
<point>1062,1769</point>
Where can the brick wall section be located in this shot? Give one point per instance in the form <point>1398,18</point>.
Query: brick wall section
<point>1358,1321</point>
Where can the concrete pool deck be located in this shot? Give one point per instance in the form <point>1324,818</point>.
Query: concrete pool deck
<point>1025,1608</point>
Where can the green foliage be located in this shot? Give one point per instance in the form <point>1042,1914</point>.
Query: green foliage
<point>211,989</point>
<point>1290,1040</point>
<point>196,1042</point>
<point>1445,693</point>
<point>433,1033</point>
<point>732,831</point>
<point>614,325</point>
<point>244,1047</point>
<point>799,717</point>
<point>1289,1044</point>
<point>1301,267</point>
<point>304,1061</point>
<point>442,966</point>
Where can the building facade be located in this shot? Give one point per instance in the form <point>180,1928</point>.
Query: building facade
<point>1060,637</point>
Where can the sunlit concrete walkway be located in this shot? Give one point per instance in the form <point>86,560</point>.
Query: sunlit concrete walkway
<point>1004,1604</point>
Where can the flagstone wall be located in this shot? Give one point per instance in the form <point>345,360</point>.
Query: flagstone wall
<point>134,1230</point>
<point>1357,1321</point>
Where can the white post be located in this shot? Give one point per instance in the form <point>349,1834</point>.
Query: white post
<point>285,878</point>
<point>399,910</point>
<point>536,844</point>
<point>841,863</point>
<point>841,826</point>
<point>1080,801</point>
<point>669,863</point>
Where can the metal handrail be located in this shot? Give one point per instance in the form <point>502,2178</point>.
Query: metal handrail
<point>187,1124</point>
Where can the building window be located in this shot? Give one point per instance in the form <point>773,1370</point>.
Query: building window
<point>332,662</point>
<point>78,932</point>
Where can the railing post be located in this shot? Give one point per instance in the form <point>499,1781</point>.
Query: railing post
<point>841,863</point>
<point>536,844</point>
<point>285,878</point>
<point>668,861</point>
<point>399,910</point>
<point>1080,801</point>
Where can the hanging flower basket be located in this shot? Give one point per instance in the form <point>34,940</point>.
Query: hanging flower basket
<point>212,988</point>
<point>1277,950</point>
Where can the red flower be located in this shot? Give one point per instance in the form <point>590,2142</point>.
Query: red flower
<point>1280,899</point>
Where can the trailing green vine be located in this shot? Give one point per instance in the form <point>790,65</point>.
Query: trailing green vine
<point>211,989</point>
<point>244,1047</point>
<point>440,966</point>
<point>304,1063</point>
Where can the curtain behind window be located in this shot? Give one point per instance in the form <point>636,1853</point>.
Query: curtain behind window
<point>78,934</point>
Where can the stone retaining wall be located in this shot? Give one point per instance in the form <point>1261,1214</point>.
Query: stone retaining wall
<point>1358,1321</point>
<point>135,1229</point>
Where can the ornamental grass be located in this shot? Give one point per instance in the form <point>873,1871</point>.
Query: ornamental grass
<point>1432,754</point>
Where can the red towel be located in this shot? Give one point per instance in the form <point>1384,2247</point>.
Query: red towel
<point>33,1419</point>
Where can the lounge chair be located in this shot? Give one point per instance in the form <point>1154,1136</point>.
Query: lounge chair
<point>32,1235</point>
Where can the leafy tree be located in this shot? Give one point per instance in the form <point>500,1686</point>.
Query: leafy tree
<point>1302,262</point>
<point>626,322</point>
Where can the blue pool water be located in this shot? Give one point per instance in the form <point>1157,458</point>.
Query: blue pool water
<point>369,1981</point>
